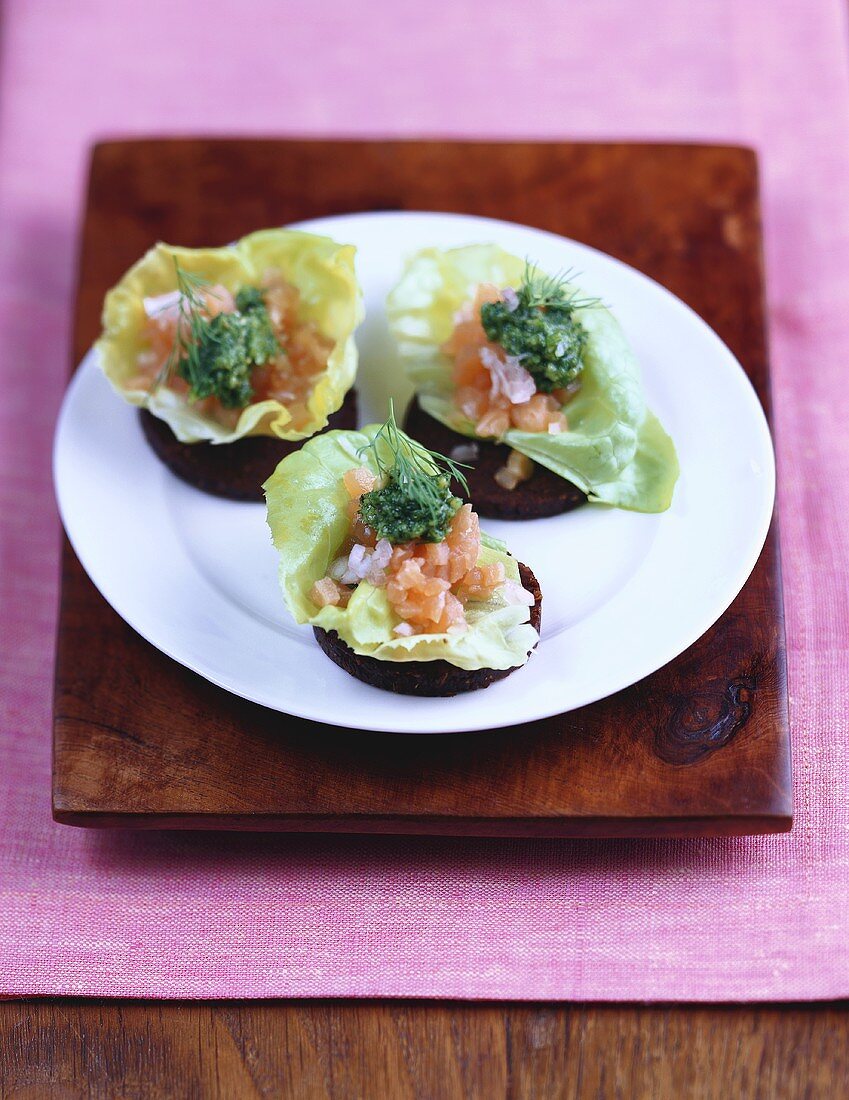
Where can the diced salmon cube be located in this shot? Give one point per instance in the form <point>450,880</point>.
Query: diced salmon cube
<point>469,370</point>
<point>464,542</point>
<point>325,592</point>
<point>486,292</point>
<point>436,557</point>
<point>481,582</point>
<point>493,423</point>
<point>532,415</point>
<point>357,481</point>
<point>507,479</point>
<point>517,469</point>
<point>472,402</point>
<point>451,615</point>
<point>361,532</point>
<point>218,299</point>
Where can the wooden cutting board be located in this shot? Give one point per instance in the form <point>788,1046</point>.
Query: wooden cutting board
<point>701,747</point>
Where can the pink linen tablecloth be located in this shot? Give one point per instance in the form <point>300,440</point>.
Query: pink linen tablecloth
<point>250,916</point>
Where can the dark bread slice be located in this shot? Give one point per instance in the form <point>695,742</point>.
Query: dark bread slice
<point>233,470</point>
<point>423,677</point>
<point>543,494</point>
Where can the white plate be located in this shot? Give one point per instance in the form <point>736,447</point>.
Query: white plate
<point>623,593</point>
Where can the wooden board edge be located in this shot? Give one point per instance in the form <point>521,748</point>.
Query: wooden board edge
<point>392,825</point>
<point>107,144</point>
<point>773,537</point>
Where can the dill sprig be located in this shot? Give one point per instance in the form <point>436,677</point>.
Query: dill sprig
<point>190,323</point>
<point>415,500</point>
<point>539,290</point>
<point>412,465</point>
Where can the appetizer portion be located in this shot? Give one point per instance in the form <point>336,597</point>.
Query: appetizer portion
<point>249,346</point>
<point>539,379</point>
<point>402,588</point>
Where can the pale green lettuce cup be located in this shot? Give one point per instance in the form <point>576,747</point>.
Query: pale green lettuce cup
<point>308,517</point>
<point>321,269</point>
<point>615,450</point>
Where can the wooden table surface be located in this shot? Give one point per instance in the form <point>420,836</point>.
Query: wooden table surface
<point>424,1050</point>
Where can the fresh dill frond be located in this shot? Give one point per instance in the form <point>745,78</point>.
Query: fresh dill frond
<point>538,290</point>
<point>190,322</point>
<point>410,461</point>
<point>416,501</point>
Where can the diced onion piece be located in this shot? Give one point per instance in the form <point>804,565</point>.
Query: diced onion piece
<point>382,554</point>
<point>358,562</point>
<point>162,305</point>
<point>404,630</point>
<point>363,563</point>
<point>338,569</point>
<point>510,298</point>
<point>509,377</point>
<point>376,574</point>
<point>513,593</point>
<point>465,452</point>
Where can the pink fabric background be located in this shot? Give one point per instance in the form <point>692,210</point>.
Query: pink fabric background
<point>187,915</point>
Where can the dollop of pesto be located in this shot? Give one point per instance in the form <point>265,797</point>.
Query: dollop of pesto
<point>541,329</point>
<point>398,515</point>
<point>221,352</point>
<point>416,501</point>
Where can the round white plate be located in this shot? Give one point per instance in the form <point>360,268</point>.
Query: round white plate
<point>623,593</point>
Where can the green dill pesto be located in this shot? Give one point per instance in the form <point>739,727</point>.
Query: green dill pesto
<point>249,298</point>
<point>541,329</point>
<point>416,501</point>
<point>219,354</point>
<point>399,516</point>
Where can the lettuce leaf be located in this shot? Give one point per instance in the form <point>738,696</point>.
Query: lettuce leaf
<point>615,450</point>
<point>308,518</point>
<point>322,270</point>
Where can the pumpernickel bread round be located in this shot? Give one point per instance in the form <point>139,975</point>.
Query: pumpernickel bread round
<point>233,470</point>
<point>543,494</point>
<point>432,678</point>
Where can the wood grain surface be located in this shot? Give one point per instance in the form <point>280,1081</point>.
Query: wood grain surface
<point>700,747</point>
<point>345,1050</point>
